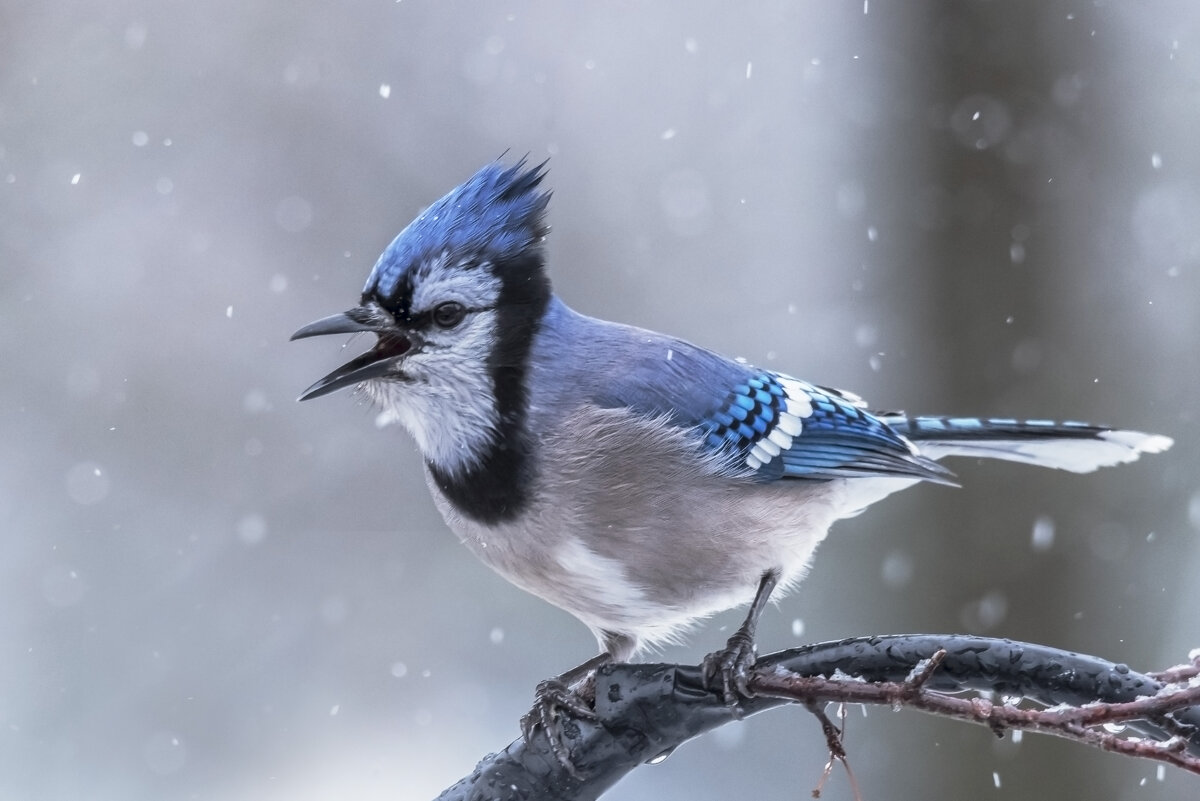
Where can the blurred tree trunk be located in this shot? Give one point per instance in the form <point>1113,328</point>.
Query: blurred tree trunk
<point>1000,77</point>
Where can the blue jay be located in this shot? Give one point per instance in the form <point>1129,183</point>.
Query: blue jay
<point>636,480</point>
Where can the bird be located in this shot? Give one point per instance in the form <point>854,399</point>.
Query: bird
<point>636,480</point>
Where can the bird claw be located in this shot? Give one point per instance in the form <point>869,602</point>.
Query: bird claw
<point>553,702</point>
<point>728,671</point>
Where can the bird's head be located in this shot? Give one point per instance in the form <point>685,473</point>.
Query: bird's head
<point>454,301</point>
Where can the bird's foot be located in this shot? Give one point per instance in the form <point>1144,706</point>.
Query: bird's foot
<point>555,701</point>
<point>728,671</point>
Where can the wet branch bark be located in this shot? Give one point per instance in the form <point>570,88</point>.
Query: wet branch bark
<point>648,710</point>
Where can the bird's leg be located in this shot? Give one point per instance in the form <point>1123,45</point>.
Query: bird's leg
<point>574,693</point>
<point>728,670</point>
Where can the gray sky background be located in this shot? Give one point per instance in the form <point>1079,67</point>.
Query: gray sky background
<point>208,591</point>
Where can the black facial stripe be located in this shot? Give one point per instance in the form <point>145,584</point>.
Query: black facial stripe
<point>495,489</point>
<point>399,302</point>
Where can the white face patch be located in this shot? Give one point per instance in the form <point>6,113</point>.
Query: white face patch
<point>437,281</point>
<point>446,399</point>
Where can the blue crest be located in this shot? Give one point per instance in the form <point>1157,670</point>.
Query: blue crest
<point>496,216</point>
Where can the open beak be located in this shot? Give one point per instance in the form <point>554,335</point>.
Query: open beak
<point>372,364</point>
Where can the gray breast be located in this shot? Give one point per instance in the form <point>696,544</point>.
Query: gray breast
<point>635,530</point>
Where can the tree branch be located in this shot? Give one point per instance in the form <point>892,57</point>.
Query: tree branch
<point>648,710</point>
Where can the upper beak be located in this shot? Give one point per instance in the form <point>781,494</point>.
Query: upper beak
<point>340,323</point>
<point>372,364</point>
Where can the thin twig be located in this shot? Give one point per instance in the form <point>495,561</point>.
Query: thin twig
<point>1180,673</point>
<point>1071,722</point>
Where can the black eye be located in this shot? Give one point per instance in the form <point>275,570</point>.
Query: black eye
<point>449,314</point>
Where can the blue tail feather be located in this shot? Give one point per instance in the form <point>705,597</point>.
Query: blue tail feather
<point>927,428</point>
<point>1075,446</point>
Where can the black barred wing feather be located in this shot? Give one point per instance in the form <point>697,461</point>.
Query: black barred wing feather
<point>781,427</point>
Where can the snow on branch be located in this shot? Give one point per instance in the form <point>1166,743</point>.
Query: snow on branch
<point>647,710</point>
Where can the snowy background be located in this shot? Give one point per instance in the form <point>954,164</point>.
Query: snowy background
<point>208,591</point>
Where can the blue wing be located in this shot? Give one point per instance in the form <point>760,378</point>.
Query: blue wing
<point>773,426</point>
<point>761,421</point>
<point>782,427</point>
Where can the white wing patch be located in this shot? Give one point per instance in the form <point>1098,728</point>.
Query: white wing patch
<point>797,405</point>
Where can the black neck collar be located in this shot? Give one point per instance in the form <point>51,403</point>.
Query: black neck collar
<point>496,488</point>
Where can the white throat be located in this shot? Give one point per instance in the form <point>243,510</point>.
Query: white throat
<point>447,400</point>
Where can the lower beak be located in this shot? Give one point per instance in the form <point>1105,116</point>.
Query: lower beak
<point>372,364</point>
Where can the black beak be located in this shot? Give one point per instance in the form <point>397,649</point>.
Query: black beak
<point>372,364</point>
<point>341,323</point>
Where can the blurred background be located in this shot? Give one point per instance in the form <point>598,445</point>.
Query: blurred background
<point>209,591</point>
